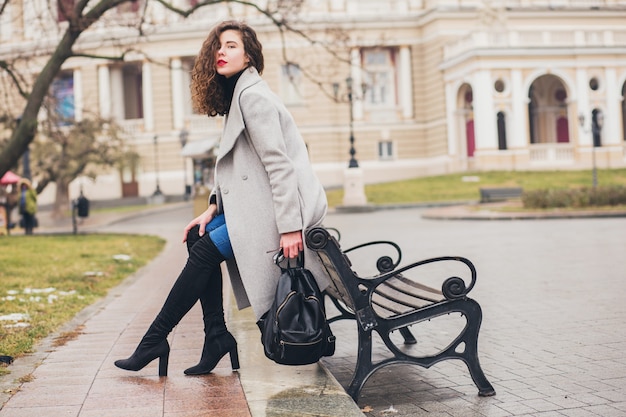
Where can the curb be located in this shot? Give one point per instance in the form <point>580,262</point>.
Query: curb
<point>487,212</point>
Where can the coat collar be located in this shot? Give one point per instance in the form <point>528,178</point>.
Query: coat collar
<point>234,120</point>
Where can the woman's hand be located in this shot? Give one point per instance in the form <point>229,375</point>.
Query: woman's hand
<point>202,220</point>
<point>291,244</point>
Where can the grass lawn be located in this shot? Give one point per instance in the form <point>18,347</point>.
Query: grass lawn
<point>465,186</point>
<point>48,279</point>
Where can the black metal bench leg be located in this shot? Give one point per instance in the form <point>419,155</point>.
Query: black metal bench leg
<point>470,355</point>
<point>364,367</point>
<point>409,339</point>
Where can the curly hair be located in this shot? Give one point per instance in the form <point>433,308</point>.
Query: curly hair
<point>207,86</point>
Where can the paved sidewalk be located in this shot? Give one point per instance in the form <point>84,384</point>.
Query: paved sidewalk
<point>80,379</point>
<point>552,293</point>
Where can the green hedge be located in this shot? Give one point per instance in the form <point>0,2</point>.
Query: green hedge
<point>575,197</point>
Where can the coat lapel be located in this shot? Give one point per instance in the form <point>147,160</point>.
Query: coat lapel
<point>234,120</point>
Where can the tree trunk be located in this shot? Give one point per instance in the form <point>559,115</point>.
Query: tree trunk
<point>62,207</point>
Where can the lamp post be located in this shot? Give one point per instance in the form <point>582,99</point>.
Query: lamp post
<point>350,97</point>
<point>157,191</point>
<point>354,190</point>
<point>183,136</point>
<point>597,121</point>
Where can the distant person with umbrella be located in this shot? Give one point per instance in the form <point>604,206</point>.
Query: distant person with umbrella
<point>8,200</point>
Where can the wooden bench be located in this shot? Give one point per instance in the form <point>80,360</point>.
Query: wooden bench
<point>391,301</point>
<point>489,195</point>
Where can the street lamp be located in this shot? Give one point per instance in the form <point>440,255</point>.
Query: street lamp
<point>349,97</point>
<point>157,192</point>
<point>597,121</point>
<point>183,136</point>
<point>354,190</point>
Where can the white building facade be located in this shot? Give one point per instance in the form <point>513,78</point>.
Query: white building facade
<point>437,86</point>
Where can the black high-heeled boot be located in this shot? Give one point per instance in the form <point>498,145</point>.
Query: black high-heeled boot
<point>217,343</point>
<point>194,279</point>
<point>144,354</point>
<point>217,340</point>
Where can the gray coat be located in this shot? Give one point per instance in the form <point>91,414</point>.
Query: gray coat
<point>265,186</point>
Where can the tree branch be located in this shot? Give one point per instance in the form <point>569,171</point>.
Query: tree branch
<point>186,13</point>
<point>105,57</point>
<point>16,81</point>
<point>4,5</point>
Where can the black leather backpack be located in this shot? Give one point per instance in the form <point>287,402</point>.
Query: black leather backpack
<point>294,331</point>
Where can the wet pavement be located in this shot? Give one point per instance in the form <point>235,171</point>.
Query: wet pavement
<point>551,342</point>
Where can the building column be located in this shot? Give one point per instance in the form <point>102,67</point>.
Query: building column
<point>484,114</point>
<point>148,109</point>
<point>104,91</point>
<point>357,80</point>
<point>406,82</point>
<point>178,109</point>
<point>451,118</point>
<point>78,95</point>
<point>519,106</point>
<point>611,131</point>
<point>584,132</point>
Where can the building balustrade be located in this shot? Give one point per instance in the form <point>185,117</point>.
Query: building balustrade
<point>132,127</point>
<point>202,124</point>
<point>512,4</point>
<point>552,152</point>
<point>535,39</point>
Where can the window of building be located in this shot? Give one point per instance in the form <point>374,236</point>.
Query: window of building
<point>133,91</point>
<point>127,91</point>
<point>129,7</point>
<point>64,8</point>
<point>291,84</point>
<point>187,67</point>
<point>385,149</point>
<point>499,85</point>
<point>380,77</point>
<point>62,93</point>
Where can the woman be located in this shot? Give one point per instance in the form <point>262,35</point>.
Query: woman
<point>265,196</point>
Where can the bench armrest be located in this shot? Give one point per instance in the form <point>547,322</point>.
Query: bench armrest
<point>452,287</point>
<point>383,263</point>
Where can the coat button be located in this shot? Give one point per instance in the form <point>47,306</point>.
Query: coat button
<point>244,177</point>
<point>225,191</point>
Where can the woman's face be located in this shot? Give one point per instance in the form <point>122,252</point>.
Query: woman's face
<point>231,56</point>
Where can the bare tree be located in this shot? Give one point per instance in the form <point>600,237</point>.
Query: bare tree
<point>81,15</point>
<point>66,150</point>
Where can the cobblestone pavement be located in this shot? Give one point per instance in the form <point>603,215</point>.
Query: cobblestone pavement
<point>552,338</point>
<point>551,342</point>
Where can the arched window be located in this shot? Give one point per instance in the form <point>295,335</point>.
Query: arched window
<point>547,110</point>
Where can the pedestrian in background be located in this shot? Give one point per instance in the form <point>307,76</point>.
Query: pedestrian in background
<point>265,196</point>
<point>27,205</point>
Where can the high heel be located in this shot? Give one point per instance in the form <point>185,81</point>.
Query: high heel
<point>234,358</point>
<point>215,348</point>
<point>144,355</point>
